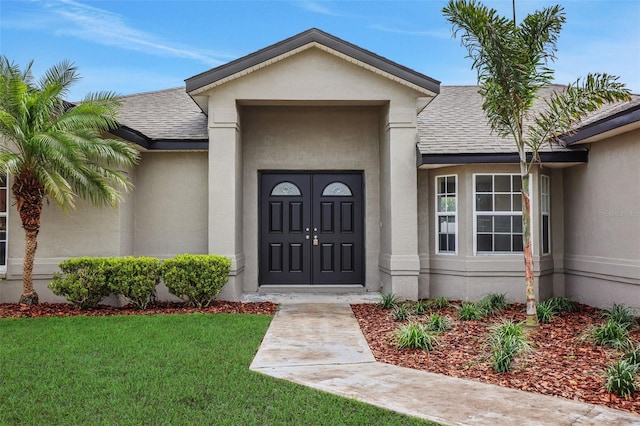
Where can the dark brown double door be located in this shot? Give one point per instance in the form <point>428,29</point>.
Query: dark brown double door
<point>311,228</point>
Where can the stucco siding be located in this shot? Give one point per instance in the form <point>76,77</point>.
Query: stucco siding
<point>308,139</point>
<point>171,202</point>
<point>602,224</point>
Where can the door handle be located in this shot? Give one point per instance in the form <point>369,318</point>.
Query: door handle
<point>315,240</point>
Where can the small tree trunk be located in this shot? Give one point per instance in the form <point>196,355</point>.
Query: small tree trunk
<point>29,194</point>
<point>527,240</point>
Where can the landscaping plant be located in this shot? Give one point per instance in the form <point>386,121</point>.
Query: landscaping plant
<point>420,307</point>
<point>439,302</point>
<point>414,335</point>
<point>506,341</point>
<point>198,278</point>
<point>545,311</point>
<point>401,312</point>
<point>492,303</point>
<point>621,378</point>
<point>621,314</point>
<point>470,311</point>
<point>83,282</point>
<point>388,300</point>
<point>438,323</point>
<point>135,278</point>
<point>611,334</point>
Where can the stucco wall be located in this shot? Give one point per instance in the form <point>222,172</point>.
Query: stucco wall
<point>464,275</point>
<point>171,204</point>
<point>602,224</point>
<point>307,139</point>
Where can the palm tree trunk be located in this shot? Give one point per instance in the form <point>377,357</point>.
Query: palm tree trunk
<point>532,316</point>
<point>29,194</point>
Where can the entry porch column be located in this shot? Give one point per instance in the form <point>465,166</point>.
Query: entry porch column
<point>399,262</point>
<point>225,195</point>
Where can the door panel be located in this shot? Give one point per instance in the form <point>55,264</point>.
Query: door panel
<point>311,228</point>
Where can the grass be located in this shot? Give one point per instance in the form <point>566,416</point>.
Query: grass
<point>162,369</point>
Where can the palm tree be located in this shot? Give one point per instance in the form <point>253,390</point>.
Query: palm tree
<point>54,149</point>
<point>512,62</point>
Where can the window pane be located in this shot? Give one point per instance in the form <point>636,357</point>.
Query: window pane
<point>502,224</point>
<point>442,185</point>
<point>545,234</point>
<point>443,242</point>
<point>484,202</point>
<point>503,202</point>
<point>451,185</point>
<point>285,189</point>
<point>517,183</point>
<point>484,183</point>
<point>485,242</point>
<point>485,224</point>
<point>502,242</point>
<point>3,200</point>
<point>3,251</point>
<point>517,223</point>
<point>446,204</point>
<point>517,202</point>
<point>336,189</point>
<point>451,239</point>
<point>502,183</point>
<point>517,242</point>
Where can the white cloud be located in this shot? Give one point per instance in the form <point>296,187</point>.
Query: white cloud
<point>316,7</point>
<point>107,28</point>
<point>437,34</point>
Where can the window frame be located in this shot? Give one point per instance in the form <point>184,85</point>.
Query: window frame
<point>545,183</point>
<point>439,214</point>
<point>494,213</point>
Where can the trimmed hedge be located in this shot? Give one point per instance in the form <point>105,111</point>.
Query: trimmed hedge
<point>84,282</point>
<point>135,278</point>
<point>198,278</point>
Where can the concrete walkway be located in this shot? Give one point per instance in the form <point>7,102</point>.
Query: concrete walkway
<point>320,345</point>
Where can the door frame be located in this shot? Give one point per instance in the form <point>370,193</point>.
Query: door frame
<point>362,218</point>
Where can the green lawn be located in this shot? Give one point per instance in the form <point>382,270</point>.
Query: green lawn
<point>164,369</point>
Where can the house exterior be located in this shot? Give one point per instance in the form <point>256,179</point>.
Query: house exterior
<point>318,166</point>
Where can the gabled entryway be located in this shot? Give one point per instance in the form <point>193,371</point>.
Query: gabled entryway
<point>311,228</point>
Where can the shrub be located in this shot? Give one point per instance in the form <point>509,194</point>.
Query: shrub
<point>401,312</point>
<point>492,303</point>
<point>633,355</point>
<point>506,341</point>
<point>470,311</point>
<point>135,278</point>
<point>196,277</point>
<point>414,335</point>
<point>621,378</point>
<point>621,314</point>
<point>439,302</point>
<point>611,334</point>
<point>83,282</point>
<point>388,300</point>
<point>438,323</point>
<point>545,311</point>
<point>420,308</point>
<point>561,304</point>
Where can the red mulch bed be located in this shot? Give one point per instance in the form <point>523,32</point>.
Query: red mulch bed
<point>561,364</point>
<point>14,310</point>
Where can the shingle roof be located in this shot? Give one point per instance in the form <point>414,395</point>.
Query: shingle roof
<point>454,123</point>
<point>164,115</point>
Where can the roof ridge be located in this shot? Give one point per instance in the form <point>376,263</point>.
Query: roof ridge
<point>153,91</point>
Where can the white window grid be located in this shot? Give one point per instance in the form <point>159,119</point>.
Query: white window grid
<point>511,212</point>
<point>545,211</point>
<point>446,213</point>
<point>4,220</point>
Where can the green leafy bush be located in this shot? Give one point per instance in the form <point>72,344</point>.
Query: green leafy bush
<point>401,312</point>
<point>83,282</point>
<point>506,341</point>
<point>612,334</point>
<point>196,277</point>
<point>621,378</point>
<point>633,355</point>
<point>388,300</point>
<point>470,311</point>
<point>492,303</point>
<point>545,311</point>
<point>414,335</point>
<point>561,304</point>
<point>438,323</point>
<point>621,314</point>
<point>420,308</point>
<point>135,278</point>
<point>439,302</point>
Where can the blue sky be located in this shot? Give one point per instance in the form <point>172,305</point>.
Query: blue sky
<point>137,46</point>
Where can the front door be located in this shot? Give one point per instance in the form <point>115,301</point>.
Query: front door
<point>311,228</point>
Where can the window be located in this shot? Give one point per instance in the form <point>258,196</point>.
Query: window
<point>545,202</point>
<point>336,189</point>
<point>3,221</point>
<point>497,213</point>
<point>446,214</point>
<point>285,189</point>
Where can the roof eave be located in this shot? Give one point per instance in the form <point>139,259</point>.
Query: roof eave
<point>590,132</point>
<point>577,156</point>
<point>147,143</point>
